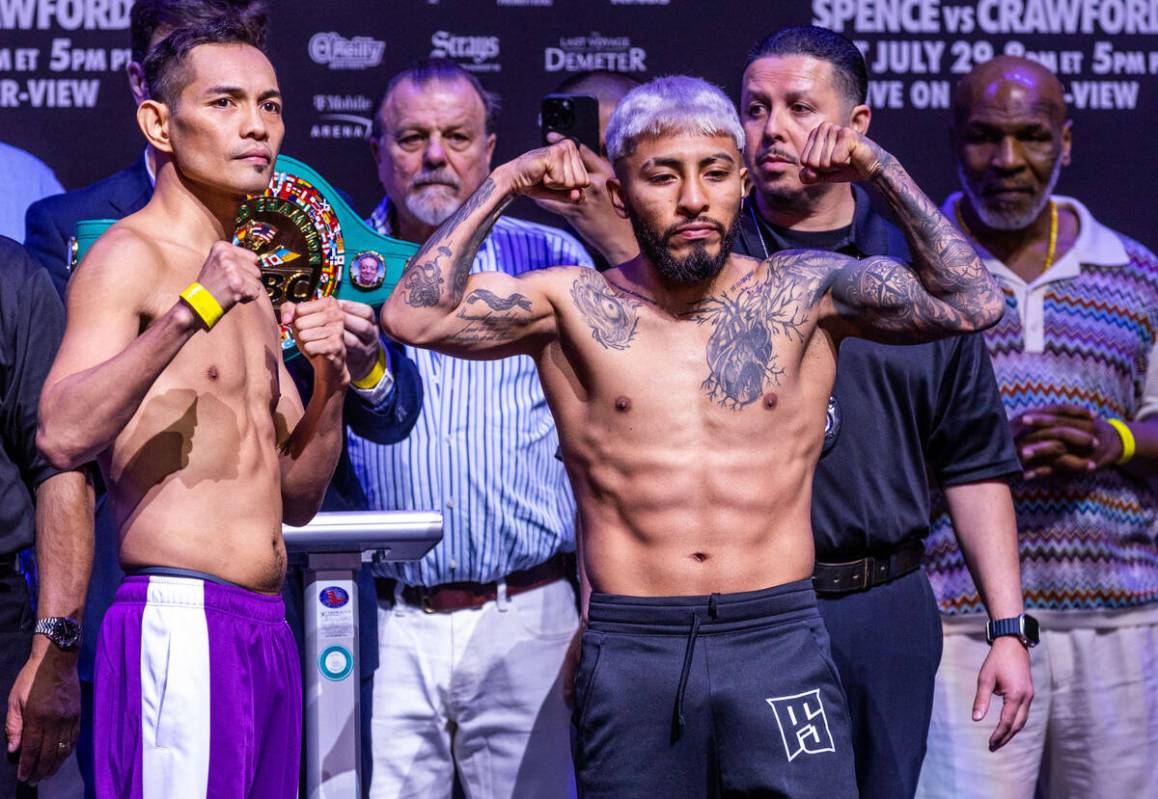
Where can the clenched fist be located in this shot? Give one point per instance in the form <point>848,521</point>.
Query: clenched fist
<point>318,328</point>
<point>231,275</point>
<point>549,173</point>
<point>835,154</point>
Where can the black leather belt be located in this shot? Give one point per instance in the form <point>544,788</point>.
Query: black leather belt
<point>860,575</point>
<point>462,596</point>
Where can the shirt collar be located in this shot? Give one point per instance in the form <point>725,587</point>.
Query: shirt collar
<point>869,235</point>
<point>149,169</point>
<point>1096,244</point>
<point>380,217</point>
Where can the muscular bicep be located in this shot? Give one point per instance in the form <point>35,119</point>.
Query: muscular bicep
<point>104,304</point>
<point>882,299</point>
<point>499,315</point>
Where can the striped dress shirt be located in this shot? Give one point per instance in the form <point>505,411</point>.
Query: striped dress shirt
<point>483,449</point>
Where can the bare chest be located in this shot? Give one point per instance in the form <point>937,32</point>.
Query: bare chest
<point>236,361</point>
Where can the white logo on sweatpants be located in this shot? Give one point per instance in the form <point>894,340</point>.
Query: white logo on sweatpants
<point>801,718</point>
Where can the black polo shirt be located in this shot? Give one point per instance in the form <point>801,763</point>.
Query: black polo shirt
<point>908,413</point>
<point>31,326</point>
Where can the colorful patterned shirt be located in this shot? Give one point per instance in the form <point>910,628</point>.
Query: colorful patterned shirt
<point>1081,333</point>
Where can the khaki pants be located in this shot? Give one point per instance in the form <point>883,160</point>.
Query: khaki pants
<point>1092,729</point>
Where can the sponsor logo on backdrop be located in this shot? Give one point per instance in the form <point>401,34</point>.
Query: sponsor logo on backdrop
<point>342,116</point>
<point>69,15</point>
<point>337,52</point>
<point>340,126</point>
<point>595,51</point>
<point>474,53</point>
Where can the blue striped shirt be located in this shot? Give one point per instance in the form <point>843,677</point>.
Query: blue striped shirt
<point>483,448</point>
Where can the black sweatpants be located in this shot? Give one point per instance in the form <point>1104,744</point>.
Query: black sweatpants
<point>728,695</point>
<point>886,643</point>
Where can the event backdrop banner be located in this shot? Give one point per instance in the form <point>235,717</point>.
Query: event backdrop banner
<point>64,96</point>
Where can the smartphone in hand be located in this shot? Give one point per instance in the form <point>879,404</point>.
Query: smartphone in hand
<point>574,116</point>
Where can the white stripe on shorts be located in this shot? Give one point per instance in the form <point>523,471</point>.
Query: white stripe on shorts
<point>175,690</point>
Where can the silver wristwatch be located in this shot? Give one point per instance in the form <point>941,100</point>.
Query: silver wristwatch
<point>64,631</point>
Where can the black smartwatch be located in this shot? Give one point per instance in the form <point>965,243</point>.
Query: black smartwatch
<point>64,631</point>
<point>1024,627</point>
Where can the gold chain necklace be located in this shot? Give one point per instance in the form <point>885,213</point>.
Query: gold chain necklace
<point>1049,254</point>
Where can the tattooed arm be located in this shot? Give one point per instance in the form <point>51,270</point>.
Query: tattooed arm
<point>439,305</point>
<point>946,290</point>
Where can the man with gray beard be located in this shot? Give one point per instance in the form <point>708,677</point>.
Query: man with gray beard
<point>1077,366</point>
<point>473,635</point>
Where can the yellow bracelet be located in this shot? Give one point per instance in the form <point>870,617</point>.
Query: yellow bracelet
<point>372,379</point>
<point>1129,446</point>
<point>204,304</point>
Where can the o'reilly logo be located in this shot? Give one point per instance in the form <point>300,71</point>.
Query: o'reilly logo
<point>475,53</point>
<point>338,52</point>
<point>595,51</point>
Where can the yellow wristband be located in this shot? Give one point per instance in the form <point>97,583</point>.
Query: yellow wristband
<point>1129,446</point>
<point>204,304</point>
<point>375,375</point>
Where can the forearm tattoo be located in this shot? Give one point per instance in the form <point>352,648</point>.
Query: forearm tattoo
<point>425,277</point>
<point>746,318</point>
<point>945,263</point>
<point>610,313</point>
<point>422,282</point>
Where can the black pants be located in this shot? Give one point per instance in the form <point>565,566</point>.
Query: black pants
<point>731,695</point>
<point>887,645</point>
<point>16,623</point>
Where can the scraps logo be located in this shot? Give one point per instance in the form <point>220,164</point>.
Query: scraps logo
<point>595,51</point>
<point>338,52</point>
<point>474,53</point>
<point>342,116</point>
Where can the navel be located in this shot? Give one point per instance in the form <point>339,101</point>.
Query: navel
<point>623,404</point>
<point>212,372</point>
<point>699,557</point>
<point>770,400</point>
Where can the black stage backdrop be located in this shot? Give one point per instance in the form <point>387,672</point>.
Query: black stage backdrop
<point>64,97</point>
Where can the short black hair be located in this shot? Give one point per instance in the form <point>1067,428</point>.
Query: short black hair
<point>164,66</point>
<point>149,16</point>
<point>444,70</point>
<point>849,72</point>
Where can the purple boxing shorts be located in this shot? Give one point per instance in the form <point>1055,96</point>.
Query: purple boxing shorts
<point>198,693</point>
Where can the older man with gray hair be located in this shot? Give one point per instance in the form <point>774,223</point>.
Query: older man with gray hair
<point>689,386</point>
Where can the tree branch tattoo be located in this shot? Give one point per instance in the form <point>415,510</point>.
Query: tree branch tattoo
<point>746,318</point>
<point>944,261</point>
<point>610,313</point>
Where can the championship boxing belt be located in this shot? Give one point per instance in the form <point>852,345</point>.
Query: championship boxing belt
<point>309,242</point>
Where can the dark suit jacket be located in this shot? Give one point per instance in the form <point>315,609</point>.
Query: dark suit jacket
<point>50,223</point>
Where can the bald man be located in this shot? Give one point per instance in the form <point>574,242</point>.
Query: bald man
<point>1074,357</point>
